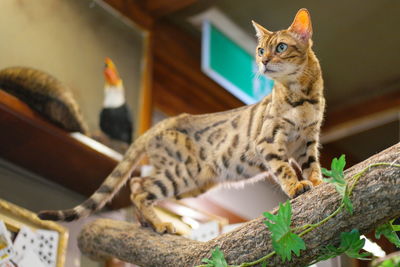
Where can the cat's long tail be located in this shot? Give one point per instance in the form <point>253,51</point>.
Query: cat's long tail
<point>106,191</point>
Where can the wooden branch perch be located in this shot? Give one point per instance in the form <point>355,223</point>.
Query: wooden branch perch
<point>376,199</point>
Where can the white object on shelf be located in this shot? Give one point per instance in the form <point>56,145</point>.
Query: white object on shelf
<point>99,147</point>
<point>205,231</point>
<point>230,227</point>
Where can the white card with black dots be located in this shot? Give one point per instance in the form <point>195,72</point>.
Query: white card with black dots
<point>43,244</point>
<point>25,241</point>
<point>6,246</point>
<point>47,246</point>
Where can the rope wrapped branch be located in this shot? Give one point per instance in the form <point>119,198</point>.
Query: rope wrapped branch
<point>376,199</point>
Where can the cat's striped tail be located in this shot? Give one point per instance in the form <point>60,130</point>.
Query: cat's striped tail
<point>105,192</point>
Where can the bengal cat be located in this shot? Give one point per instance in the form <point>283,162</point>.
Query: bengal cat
<point>191,153</point>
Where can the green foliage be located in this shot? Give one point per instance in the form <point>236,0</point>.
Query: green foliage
<point>264,264</point>
<point>337,179</point>
<point>284,241</point>
<point>217,259</point>
<point>350,244</point>
<point>337,167</point>
<point>390,263</point>
<point>389,231</point>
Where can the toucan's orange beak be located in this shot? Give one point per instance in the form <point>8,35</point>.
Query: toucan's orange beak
<point>111,73</point>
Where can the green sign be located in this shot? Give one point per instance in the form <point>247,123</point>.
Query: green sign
<point>232,66</point>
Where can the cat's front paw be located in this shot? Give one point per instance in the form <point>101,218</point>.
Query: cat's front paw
<point>164,227</point>
<point>315,178</point>
<point>300,188</point>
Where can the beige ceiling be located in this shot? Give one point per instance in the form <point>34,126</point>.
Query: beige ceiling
<point>357,41</point>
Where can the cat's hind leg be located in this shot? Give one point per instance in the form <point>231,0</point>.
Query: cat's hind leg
<point>176,171</point>
<point>144,192</point>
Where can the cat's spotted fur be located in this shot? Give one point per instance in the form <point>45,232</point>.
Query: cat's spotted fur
<point>192,153</point>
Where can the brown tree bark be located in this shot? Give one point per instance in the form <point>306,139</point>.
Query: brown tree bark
<point>376,199</point>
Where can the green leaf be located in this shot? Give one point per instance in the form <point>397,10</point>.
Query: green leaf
<point>326,172</point>
<point>337,179</point>
<point>348,205</point>
<point>340,163</point>
<point>217,259</point>
<point>264,264</point>
<point>353,244</point>
<point>396,228</point>
<point>284,241</point>
<point>337,166</point>
<point>350,244</point>
<point>387,263</point>
<point>336,172</point>
<point>389,231</point>
<point>289,243</point>
<point>392,262</point>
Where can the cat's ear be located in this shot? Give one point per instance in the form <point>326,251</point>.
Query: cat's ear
<point>260,30</point>
<point>301,25</point>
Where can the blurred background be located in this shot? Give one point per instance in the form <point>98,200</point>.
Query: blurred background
<point>173,57</point>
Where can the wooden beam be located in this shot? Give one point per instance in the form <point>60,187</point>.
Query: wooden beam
<point>159,8</point>
<point>146,100</point>
<point>361,117</point>
<point>133,11</point>
<point>179,84</point>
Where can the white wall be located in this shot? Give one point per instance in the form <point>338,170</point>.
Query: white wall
<point>70,39</point>
<point>32,192</point>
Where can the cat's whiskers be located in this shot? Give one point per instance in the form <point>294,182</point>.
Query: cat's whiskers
<point>256,75</point>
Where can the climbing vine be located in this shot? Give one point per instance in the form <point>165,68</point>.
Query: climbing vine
<point>285,241</point>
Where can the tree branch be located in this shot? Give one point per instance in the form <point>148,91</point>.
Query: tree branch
<point>376,199</point>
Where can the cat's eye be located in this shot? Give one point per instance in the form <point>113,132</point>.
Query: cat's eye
<point>260,51</point>
<point>281,47</point>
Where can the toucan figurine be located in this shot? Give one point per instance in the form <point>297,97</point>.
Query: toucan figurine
<point>115,116</point>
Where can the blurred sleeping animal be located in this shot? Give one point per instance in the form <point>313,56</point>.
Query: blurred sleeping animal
<point>45,94</point>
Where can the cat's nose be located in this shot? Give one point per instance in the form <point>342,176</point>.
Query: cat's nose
<point>265,62</point>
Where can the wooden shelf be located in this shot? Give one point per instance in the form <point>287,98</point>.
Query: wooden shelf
<point>35,144</point>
